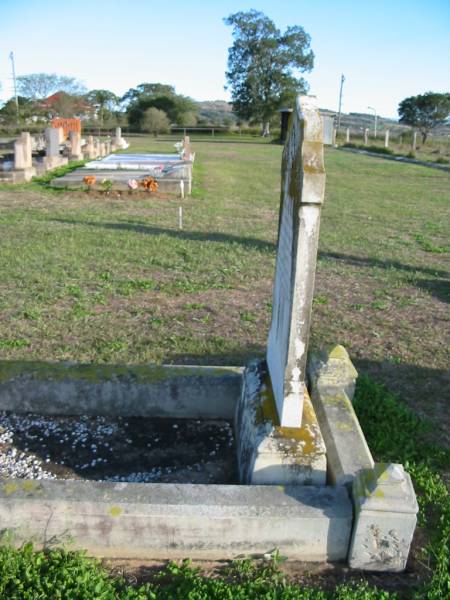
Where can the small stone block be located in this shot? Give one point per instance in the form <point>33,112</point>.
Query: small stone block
<point>269,453</point>
<point>385,518</point>
<point>333,369</point>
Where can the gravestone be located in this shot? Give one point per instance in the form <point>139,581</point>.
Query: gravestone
<point>302,194</point>
<point>75,145</point>
<point>22,152</point>
<point>52,138</point>
<point>52,157</point>
<point>328,126</point>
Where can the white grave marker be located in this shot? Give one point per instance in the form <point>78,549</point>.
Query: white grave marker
<point>302,194</point>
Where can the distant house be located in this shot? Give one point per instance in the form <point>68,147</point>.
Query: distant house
<point>61,104</point>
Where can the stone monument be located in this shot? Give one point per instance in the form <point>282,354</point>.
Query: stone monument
<point>75,146</point>
<point>52,158</point>
<point>302,194</point>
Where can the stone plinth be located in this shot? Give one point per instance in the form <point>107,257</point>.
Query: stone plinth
<point>267,452</point>
<point>385,518</point>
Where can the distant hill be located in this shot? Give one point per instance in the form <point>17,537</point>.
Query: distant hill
<point>215,112</point>
<point>359,121</point>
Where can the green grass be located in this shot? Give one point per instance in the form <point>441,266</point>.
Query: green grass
<point>110,280</point>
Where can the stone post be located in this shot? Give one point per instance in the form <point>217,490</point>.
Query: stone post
<point>52,137</point>
<point>75,146</point>
<point>334,136</point>
<point>385,518</point>
<point>414,141</point>
<point>386,138</point>
<point>22,152</point>
<point>302,195</point>
<point>366,137</point>
<point>347,135</point>
<point>118,138</point>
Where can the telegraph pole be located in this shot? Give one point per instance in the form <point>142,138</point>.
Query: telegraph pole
<point>340,103</point>
<point>11,56</point>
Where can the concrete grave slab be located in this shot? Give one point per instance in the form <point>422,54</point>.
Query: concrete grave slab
<point>332,379</point>
<point>167,520</point>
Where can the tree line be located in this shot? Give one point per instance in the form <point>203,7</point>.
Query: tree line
<point>264,74</point>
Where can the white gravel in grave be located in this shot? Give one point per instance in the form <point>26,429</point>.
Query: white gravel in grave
<point>21,434</point>
<point>20,464</point>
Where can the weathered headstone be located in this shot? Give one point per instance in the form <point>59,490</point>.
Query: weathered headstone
<point>52,157</point>
<point>386,138</point>
<point>328,125</point>
<point>302,195</point>
<point>366,136</point>
<point>347,135</point>
<point>22,152</point>
<point>52,137</point>
<point>75,145</point>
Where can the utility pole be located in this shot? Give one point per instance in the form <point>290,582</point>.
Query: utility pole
<point>340,103</point>
<point>11,56</point>
<point>375,124</point>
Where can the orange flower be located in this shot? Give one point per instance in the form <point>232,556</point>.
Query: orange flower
<point>149,184</point>
<point>89,180</point>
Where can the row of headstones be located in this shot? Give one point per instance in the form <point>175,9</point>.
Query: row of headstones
<point>366,137</point>
<point>78,148</point>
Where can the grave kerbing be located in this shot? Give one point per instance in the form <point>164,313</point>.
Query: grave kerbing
<point>302,195</point>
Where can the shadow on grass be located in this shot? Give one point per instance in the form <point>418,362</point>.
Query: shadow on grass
<point>197,236</point>
<point>438,288</point>
<point>366,261</point>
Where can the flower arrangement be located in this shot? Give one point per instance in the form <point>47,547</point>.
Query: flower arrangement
<point>132,184</point>
<point>149,184</point>
<point>90,181</point>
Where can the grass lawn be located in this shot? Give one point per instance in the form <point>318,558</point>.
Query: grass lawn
<point>113,280</point>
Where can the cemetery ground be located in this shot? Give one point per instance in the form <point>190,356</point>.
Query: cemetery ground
<point>112,279</point>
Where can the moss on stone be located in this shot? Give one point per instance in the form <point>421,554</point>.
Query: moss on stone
<point>93,373</point>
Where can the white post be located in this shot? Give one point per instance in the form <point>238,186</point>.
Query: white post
<point>414,141</point>
<point>347,135</point>
<point>386,138</point>
<point>366,137</point>
<point>180,217</point>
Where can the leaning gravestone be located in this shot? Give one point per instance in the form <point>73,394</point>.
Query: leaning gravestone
<point>302,194</point>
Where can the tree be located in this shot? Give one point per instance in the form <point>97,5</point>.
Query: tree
<point>148,89</point>
<point>155,121</point>
<point>264,66</point>
<point>160,96</point>
<point>38,86</point>
<point>425,111</point>
<point>104,100</point>
<point>8,112</point>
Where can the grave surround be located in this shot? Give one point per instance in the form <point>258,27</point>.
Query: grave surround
<point>313,522</point>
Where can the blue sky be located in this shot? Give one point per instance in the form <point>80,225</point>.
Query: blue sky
<point>387,50</point>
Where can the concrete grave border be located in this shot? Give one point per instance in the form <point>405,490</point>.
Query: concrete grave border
<point>305,522</point>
